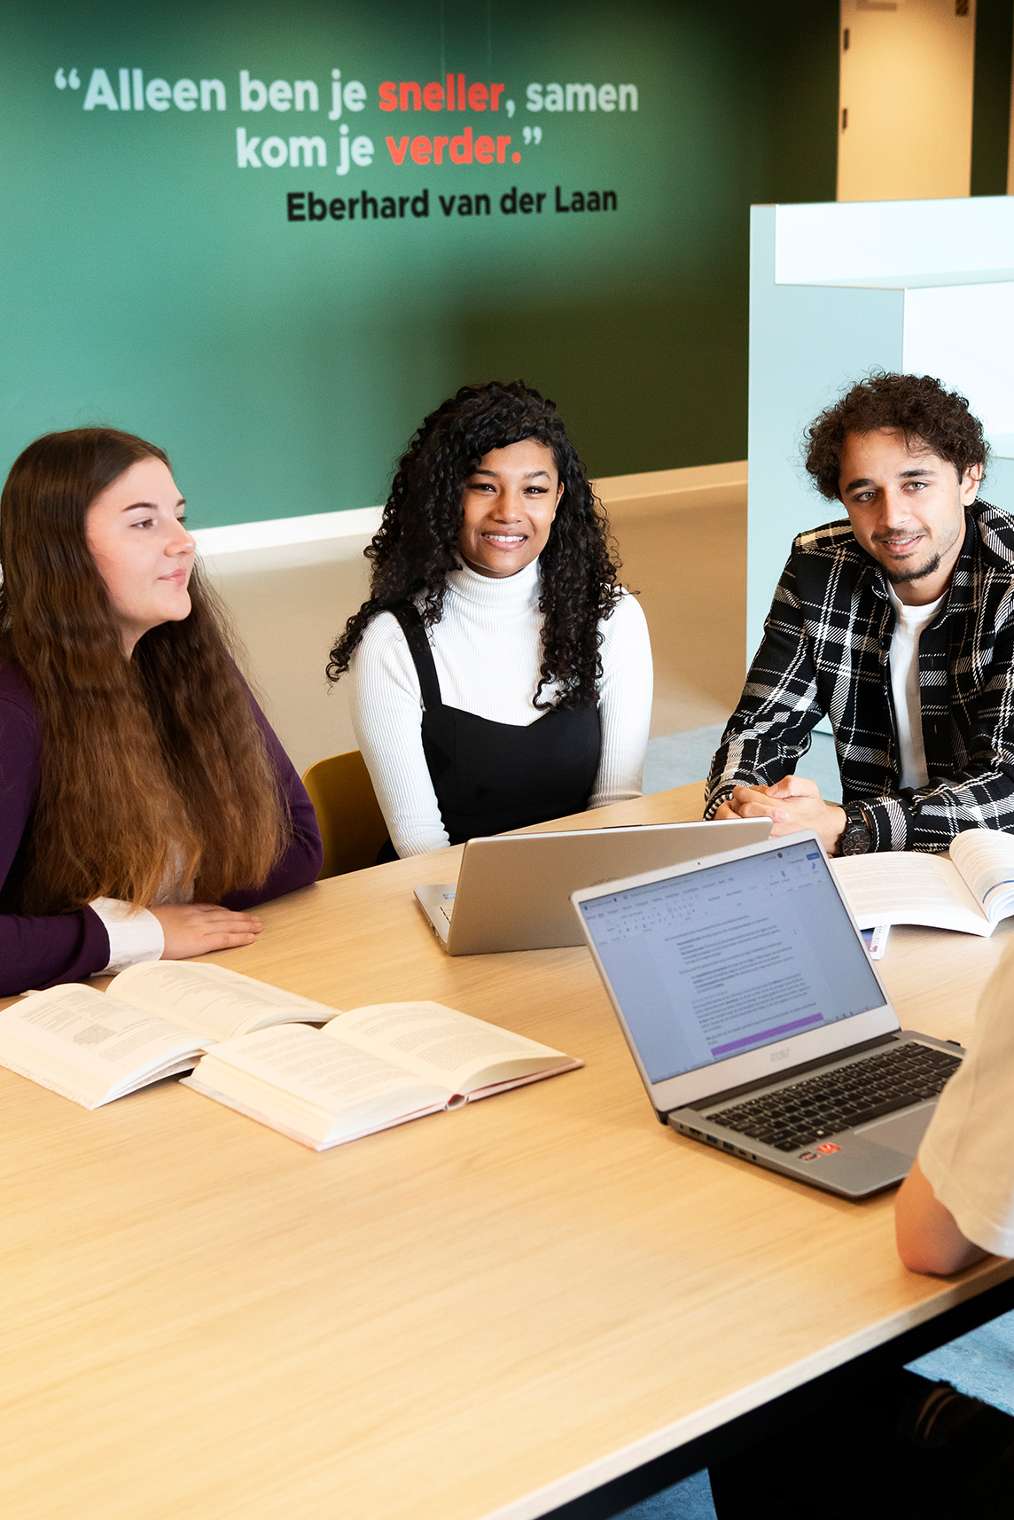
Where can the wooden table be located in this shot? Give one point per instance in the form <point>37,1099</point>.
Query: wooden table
<point>485,1313</point>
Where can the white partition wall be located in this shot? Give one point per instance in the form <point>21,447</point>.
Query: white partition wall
<point>837,290</point>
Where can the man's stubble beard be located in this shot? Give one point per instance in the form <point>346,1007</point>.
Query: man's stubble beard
<point>929,568</point>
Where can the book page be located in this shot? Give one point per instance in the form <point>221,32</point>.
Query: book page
<point>903,887</point>
<point>985,859</point>
<point>74,1040</point>
<point>454,1048</point>
<point>316,1089</point>
<point>212,1001</point>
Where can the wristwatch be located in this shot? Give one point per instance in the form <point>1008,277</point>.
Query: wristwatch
<point>857,836</point>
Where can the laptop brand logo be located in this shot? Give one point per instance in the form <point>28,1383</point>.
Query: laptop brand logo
<point>779,1055</point>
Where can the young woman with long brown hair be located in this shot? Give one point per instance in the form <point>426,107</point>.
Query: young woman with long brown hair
<point>145,803</point>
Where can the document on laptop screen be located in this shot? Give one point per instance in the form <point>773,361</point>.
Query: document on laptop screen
<point>725,959</point>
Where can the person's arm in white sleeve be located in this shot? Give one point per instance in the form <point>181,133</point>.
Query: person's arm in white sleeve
<point>387,717</point>
<point>624,704</point>
<point>928,1236</point>
<point>957,1203</point>
<point>135,935</point>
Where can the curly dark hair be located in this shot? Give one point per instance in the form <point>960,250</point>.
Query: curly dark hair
<point>918,405</point>
<point>416,545</point>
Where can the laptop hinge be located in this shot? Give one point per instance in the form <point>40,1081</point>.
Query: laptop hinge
<point>783,1076</point>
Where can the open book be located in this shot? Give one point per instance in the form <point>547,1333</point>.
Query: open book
<point>153,1021</point>
<point>373,1068</point>
<point>971,888</point>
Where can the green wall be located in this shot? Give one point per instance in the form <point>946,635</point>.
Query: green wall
<point>994,24</point>
<point>149,281</point>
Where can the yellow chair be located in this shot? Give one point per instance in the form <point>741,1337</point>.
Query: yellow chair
<point>351,823</point>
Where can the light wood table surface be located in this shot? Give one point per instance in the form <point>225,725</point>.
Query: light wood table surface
<point>488,1312</point>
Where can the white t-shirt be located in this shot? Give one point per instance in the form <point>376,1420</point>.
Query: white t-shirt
<point>487,649</point>
<point>908,626</point>
<point>967,1153</point>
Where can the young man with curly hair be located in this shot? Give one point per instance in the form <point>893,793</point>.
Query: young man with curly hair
<point>898,625</point>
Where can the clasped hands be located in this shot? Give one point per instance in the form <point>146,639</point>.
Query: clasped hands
<point>795,805</point>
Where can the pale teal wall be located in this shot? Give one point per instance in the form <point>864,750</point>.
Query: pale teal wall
<point>807,342</point>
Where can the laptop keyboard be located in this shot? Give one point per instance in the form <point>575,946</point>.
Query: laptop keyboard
<point>817,1107</point>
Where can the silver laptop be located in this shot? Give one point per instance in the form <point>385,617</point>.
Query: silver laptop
<point>756,1019</point>
<point>513,890</point>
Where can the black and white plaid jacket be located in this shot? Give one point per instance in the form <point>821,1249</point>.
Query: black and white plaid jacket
<point>826,650</point>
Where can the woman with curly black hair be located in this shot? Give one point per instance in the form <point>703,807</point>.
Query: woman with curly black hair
<point>501,675</point>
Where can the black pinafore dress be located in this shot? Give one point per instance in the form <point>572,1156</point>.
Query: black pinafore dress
<point>492,777</point>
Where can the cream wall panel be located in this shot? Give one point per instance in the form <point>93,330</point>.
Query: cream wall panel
<point>681,535</point>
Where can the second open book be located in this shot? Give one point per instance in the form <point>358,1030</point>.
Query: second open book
<point>366,1070</point>
<point>971,888</point>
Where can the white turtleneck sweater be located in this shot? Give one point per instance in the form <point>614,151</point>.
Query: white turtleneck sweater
<point>487,648</point>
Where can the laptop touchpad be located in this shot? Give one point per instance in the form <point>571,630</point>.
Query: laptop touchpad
<point>900,1132</point>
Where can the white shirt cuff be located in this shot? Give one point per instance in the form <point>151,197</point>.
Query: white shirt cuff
<point>135,935</point>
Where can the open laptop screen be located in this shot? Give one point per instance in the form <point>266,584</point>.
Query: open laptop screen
<point>716,962</point>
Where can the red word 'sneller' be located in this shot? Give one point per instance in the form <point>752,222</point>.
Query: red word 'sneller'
<point>453,93</point>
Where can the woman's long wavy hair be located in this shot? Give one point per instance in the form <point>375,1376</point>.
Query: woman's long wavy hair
<point>416,545</point>
<point>152,768</point>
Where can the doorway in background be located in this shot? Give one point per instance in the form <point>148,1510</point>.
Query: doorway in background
<point>905,99</point>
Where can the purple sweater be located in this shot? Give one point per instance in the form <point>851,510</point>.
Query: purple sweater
<point>38,952</point>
